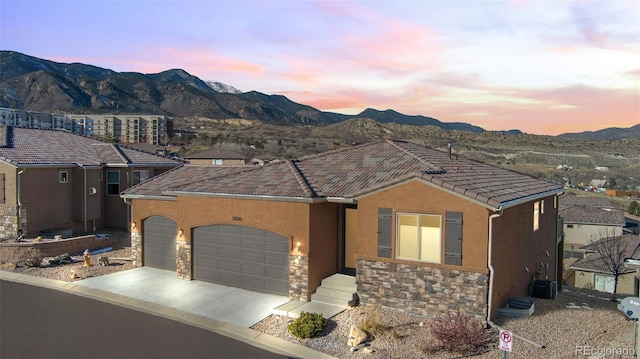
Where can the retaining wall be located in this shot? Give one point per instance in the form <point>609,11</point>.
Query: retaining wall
<point>20,251</point>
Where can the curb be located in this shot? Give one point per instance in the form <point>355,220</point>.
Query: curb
<point>230,330</point>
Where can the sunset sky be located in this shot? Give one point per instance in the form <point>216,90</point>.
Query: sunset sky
<point>544,67</point>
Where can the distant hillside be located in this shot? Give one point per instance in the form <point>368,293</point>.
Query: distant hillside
<point>31,83</point>
<point>612,133</point>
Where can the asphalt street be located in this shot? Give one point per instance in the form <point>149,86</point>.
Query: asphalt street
<point>37,322</point>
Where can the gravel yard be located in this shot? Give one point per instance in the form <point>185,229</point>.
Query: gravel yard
<point>121,249</point>
<point>575,322</point>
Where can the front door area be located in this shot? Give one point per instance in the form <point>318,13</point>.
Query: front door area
<point>349,239</point>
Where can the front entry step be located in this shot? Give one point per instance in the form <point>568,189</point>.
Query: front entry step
<point>333,296</point>
<point>294,308</point>
<point>338,289</point>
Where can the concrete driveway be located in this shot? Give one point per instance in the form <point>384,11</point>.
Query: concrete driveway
<point>229,304</point>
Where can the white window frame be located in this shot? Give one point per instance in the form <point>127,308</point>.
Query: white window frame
<point>536,215</point>
<point>217,161</point>
<point>419,242</point>
<point>63,176</point>
<point>111,183</point>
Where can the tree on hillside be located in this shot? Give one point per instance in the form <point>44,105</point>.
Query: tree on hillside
<point>612,251</point>
<point>634,208</point>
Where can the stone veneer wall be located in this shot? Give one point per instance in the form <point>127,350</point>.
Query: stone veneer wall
<point>136,248</point>
<point>424,291</point>
<point>183,260</point>
<point>299,278</point>
<point>9,222</point>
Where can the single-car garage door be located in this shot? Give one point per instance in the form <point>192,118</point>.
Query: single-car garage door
<point>242,257</point>
<point>159,242</point>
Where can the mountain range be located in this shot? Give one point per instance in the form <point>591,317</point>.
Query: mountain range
<point>31,83</point>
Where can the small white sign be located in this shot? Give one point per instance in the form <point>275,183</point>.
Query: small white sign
<point>506,341</point>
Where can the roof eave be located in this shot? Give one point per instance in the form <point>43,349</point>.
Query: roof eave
<point>247,196</point>
<point>533,197</point>
<point>148,197</point>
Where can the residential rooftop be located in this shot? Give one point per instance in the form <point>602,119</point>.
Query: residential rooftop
<point>36,147</point>
<point>589,210</point>
<point>350,173</point>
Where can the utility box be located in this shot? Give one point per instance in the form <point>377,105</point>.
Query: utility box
<point>544,289</point>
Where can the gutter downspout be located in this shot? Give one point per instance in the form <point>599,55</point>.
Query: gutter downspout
<point>490,264</point>
<point>19,201</point>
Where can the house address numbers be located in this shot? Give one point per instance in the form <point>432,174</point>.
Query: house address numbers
<point>236,218</point>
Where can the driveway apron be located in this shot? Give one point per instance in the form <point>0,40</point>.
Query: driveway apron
<point>229,304</point>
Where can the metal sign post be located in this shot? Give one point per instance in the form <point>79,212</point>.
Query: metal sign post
<point>506,342</point>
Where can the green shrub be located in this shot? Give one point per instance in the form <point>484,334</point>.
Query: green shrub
<point>308,325</point>
<point>458,332</point>
<point>634,208</point>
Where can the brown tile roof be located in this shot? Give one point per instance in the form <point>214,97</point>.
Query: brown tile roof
<point>216,153</point>
<point>25,146</point>
<point>357,171</point>
<point>596,263</point>
<point>589,210</point>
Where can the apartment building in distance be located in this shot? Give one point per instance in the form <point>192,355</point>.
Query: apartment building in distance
<point>154,129</point>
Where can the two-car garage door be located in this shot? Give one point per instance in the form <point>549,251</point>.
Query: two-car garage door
<point>242,257</point>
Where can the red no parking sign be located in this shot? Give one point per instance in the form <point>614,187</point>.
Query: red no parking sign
<point>506,341</point>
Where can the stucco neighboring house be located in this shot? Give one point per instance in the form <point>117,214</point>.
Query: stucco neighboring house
<point>55,180</point>
<point>591,272</point>
<point>417,230</point>
<point>587,219</point>
<point>216,157</point>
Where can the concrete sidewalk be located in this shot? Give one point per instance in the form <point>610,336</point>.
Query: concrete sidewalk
<point>220,309</point>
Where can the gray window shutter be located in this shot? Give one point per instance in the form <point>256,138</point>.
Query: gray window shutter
<point>384,232</point>
<point>453,239</point>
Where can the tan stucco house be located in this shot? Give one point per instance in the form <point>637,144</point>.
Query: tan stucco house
<point>216,157</point>
<point>53,180</point>
<point>593,272</point>
<point>420,230</point>
<point>587,219</point>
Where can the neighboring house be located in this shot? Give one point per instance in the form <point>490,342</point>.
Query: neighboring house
<point>216,157</point>
<point>263,159</point>
<point>57,180</point>
<point>587,219</point>
<point>591,272</point>
<point>421,231</point>
<point>150,148</point>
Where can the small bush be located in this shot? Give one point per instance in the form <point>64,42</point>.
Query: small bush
<point>308,325</point>
<point>459,333</point>
<point>372,323</point>
<point>34,261</point>
<point>61,259</point>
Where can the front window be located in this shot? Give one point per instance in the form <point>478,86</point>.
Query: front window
<point>63,176</point>
<point>140,176</point>
<point>113,183</point>
<point>217,162</point>
<point>419,237</point>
